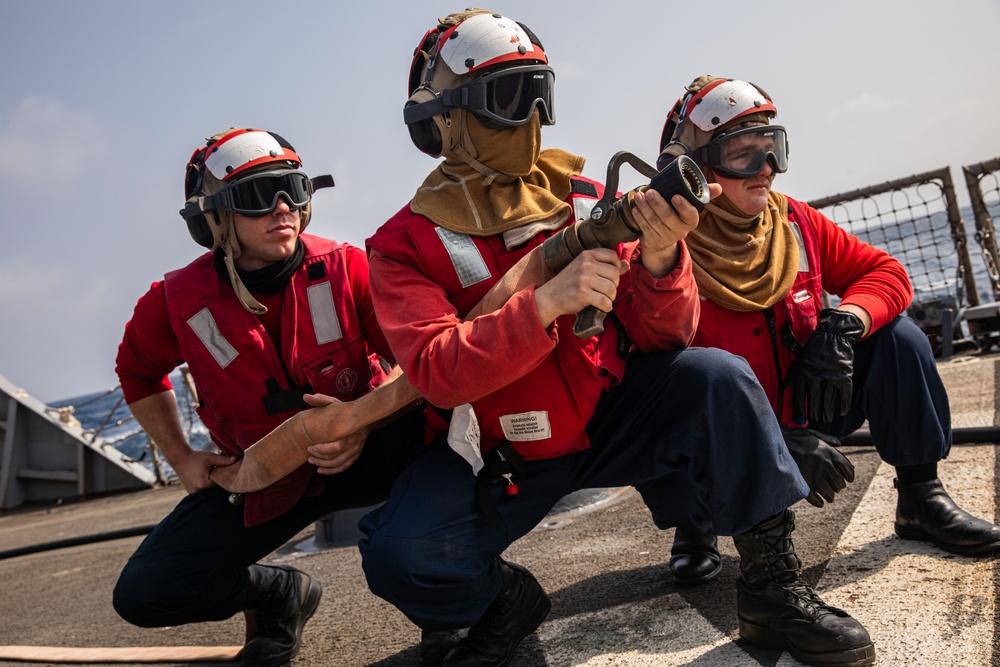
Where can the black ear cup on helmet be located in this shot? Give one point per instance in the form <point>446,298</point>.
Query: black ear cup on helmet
<point>200,231</point>
<point>425,135</point>
<point>197,224</point>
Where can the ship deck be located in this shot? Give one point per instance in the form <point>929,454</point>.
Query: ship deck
<point>603,563</point>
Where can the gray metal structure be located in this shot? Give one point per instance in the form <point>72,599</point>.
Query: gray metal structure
<point>917,220</point>
<point>46,456</point>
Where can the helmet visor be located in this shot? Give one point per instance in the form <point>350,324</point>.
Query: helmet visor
<point>257,194</point>
<point>741,153</point>
<point>506,97</point>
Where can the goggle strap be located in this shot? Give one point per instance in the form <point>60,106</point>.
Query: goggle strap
<point>463,97</point>
<point>320,182</point>
<point>418,112</point>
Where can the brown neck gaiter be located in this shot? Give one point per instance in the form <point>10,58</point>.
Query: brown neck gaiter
<point>526,185</point>
<point>744,263</point>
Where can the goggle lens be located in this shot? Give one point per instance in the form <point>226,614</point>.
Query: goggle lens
<point>257,194</point>
<point>741,153</point>
<point>511,96</point>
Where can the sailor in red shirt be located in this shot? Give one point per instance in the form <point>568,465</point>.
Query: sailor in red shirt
<point>762,261</point>
<point>270,322</point>
<point>521,411</point>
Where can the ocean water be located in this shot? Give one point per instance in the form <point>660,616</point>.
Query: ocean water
<point>106,413</point>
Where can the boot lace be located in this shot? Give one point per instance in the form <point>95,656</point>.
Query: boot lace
<point>785,568</point>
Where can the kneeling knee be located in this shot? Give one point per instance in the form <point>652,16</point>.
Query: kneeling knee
<point>133,600</point>
<point>386,563</point>
<point>712,367</point>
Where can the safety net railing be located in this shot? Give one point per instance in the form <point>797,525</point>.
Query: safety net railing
<point>917,220</point>
<point>983,182</point>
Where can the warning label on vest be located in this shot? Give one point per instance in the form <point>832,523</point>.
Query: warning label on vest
<point>526,426</point>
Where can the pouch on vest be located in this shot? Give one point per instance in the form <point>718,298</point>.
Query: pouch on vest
<point>501,464</point>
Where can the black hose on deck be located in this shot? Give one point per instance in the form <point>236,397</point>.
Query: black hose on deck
<point>959,436</point>
<point>76,541</point>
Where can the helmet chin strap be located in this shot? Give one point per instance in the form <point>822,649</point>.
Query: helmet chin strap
<point>225,238</point>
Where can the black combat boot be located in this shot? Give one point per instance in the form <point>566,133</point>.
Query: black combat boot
<point>434,645</point>
<point>694,556</point>
<point>520,607</point>
<point>925,511</point>
<point>282,599</point>
<point>777,610</point>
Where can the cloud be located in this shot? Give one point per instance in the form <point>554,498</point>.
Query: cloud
<point>45,141</point>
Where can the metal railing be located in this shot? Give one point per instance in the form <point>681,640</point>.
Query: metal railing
<point>918,221</point>
<point>984,192</point>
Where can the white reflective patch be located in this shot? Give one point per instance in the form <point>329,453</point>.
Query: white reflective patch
<point>325,322</point>
<point>204,326</point>
<point>237,151</point>
<point>464,436</point>
<point>483,38</point>
<point>803,258</point>
<point>582,207</point>
<point>465,257</point>
<point>526,426</point>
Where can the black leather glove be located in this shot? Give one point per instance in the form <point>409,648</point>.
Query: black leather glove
<point>824,468</point>
<point>821,373</point>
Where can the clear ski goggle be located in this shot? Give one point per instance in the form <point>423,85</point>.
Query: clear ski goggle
<point>741,153</point>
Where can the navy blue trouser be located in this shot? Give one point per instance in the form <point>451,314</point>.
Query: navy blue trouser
<point>897,388</point>
<point>698,412</point>
<point>193,566</point>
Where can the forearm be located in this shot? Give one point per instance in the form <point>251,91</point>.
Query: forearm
<point>159,417</point>
<point>661,262</point>
<point>661,313</point>
<point>449,361</point>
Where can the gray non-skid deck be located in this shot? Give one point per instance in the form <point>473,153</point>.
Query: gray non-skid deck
<point>604,565</point>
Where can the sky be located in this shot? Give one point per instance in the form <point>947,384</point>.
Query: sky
<point>103,102</point>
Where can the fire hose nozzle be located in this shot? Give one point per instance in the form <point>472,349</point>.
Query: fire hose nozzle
<point>611,221</point>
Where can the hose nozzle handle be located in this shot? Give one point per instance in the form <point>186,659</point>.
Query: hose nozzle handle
<point>681,176</point>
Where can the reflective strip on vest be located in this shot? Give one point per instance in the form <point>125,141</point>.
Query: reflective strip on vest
<point>204,326</point>
<point>326,325</point>
<point>803,257</point>
<point>582,207</point>
<point>465,257</point>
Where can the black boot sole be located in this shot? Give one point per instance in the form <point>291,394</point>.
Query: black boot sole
<point>759,636</point>
<point>908,533</point>
<point>697,581</point>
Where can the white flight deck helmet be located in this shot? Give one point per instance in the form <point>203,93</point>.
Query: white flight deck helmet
<point>479,62</point>
<point>712,104</point>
